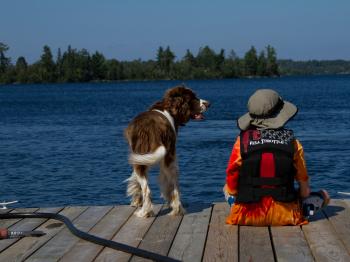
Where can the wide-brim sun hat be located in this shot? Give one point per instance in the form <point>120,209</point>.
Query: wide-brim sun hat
<point>267,109</point>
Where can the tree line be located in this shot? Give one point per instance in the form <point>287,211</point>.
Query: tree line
<point>314,67</point>
<point>74,65</point>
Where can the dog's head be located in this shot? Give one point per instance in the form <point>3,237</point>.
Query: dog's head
<point>183,104</point>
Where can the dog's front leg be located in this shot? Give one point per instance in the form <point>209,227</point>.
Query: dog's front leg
<point>172,173</point>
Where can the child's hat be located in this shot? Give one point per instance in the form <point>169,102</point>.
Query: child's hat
<point>266,109</point>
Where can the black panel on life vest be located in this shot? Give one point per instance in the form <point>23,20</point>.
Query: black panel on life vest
<point>259,150</point>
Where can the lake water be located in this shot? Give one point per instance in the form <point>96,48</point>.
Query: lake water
<point>63,144</point>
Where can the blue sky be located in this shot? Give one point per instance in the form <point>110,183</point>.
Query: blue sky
<point>130,29</point>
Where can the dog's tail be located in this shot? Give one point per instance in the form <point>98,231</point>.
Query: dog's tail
<point>149,158</point>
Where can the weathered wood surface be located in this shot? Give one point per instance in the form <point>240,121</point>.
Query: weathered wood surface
<point>200,235</point>
<point>255,244</point>
<point>222,240</point>
<point>290,244</point>
<point>190,239</point>
<point>28,245</point>
<point>324,242</point>
<point>131,234</point>
<point>106,228</point>
<point>61,243</point>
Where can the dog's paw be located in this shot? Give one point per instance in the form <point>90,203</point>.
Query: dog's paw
<point>144,213</point>
<point>136,203</point>
<point>177,212</point>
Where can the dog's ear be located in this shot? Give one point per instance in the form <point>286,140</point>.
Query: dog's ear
<point>179,108</point>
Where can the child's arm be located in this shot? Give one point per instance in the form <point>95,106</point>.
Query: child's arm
<point>301,175</point>
<point>232,170</point>
<point>304,189</point>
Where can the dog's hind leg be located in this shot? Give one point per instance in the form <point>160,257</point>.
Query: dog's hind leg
<point>170,187</point>
<point>134,190</point>
<point>147,207</point>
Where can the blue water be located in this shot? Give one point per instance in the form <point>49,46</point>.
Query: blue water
<point>62,144</point>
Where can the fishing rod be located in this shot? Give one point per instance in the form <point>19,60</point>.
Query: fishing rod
<point>81,234</point>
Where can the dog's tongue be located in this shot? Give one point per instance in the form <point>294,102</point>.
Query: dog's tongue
<point>198,117</point>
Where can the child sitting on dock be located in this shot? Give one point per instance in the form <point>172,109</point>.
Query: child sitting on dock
<point>265,160</point>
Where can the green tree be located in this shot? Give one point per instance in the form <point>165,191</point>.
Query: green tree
<point>169,58</point>
<point>207,61</point>
<point>261,68</point>
<point>5,63</point>
<point>47,66</point>
<point>114,70</point>
<point>206,58</point>
<point>231,66</point>
<point>165,62</point>
<point>160,55</point>
<point>21,70</point>
<point>220,59</point>
<point>59,69</point>
<point>271,66</point>
<point>68,65</point>
<point>83,66</point>
<point>189,58</point>
<point>250,62</point>
<point>98,66</point>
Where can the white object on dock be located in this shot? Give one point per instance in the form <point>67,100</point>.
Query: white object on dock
<point>344,193</point>
<point>3,205</point>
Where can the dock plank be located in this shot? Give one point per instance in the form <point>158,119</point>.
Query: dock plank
<point>338,213</point>
<point>26,224</point>
<point>28,245</point>
<point>290,244</point>
<point>347,201</point>
<point>323,240</point>
<point>131,234</point>
<point>222,239</point>
<point>61,243</point>
<point>200,235</point>
<point>6,223</point>
<point>190,239</point>
<point>161,234</point>
<point>106,228</point>
<point>255,244</point>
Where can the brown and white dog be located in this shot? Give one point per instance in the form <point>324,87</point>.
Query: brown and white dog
<point>152,139</point>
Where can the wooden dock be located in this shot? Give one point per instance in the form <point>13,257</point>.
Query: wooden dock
<point>200,235</point>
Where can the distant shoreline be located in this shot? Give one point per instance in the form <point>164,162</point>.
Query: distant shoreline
<point>156,80</point>
<point>79,66</point>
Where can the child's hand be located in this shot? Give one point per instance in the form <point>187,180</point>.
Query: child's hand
<point>228,197</point>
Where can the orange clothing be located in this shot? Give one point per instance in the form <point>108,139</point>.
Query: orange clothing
<point>267,211</point>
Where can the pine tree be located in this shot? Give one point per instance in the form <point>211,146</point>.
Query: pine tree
<point>21,70</point>
<point>230,66</point>
<point>160,57</point>
<point>271,66</point>
<point>68,65</point>
<point>4,61</point>
<point>59,69</point>
<point>207,58</point>
<point>250,62</point>
<point>98,66</point>
<point>261,68</point>
<point>220,59</point>
<point>189,58</point>
<point>47,66</point>
<point>169,58</point>
<point>114,70</point>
